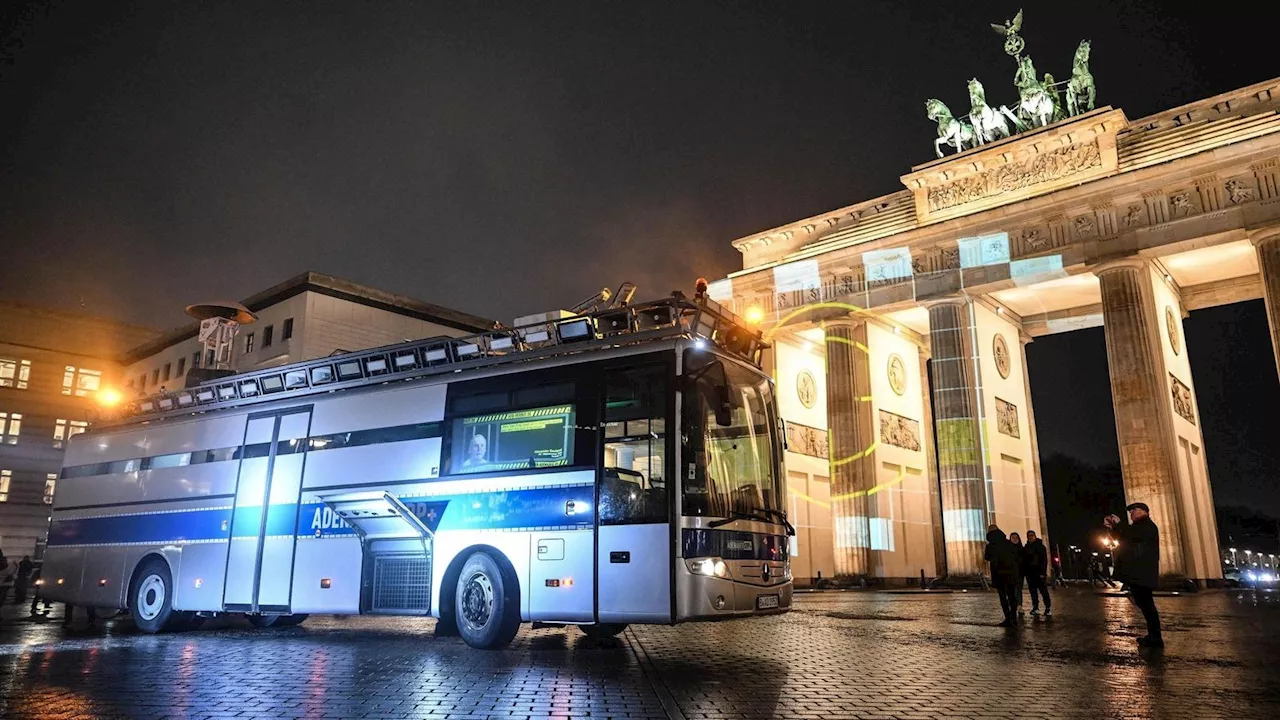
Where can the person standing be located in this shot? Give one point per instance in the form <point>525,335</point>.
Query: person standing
<point>1003,557</point>
<point>1138,565</point>
<point>1016,539</point>
<point>23,578</point>
<point>1035,566</point>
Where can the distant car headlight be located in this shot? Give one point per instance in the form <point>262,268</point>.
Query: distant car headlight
<point>711,567</point>
<point>1251,575</point>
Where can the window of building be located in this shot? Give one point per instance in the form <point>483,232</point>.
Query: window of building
<point>195,359</point>
<point>130,383</point>
<point>15,373</point>
<point>6,477</point>
<point>142,381</point>
<point>267,332</point>
<point>64,430</point>
<point>50,482</point>
<point>155,376</point>
<point>208,358</point>
<point>182,365</point>
<point>81,381</point>
<point>287,331</point>
<point>248,343</point>
<point>10,426</point>
<point>167,368</point>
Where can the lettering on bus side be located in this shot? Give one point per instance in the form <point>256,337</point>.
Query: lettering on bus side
<point>326,519</point>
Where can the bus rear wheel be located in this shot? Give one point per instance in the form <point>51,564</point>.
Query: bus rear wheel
<point>151,596</point>
<point>602,631</point>
<point>487,603</point>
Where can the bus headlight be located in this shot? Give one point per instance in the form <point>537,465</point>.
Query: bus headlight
<point>711,567</point>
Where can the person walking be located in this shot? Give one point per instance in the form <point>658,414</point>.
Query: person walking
<point>1138,565</point>
<point>1017,588</point>
<point>21,580</point>
<point>1003,557</point>
<point>1058,580</point>
<point>1035,566</point>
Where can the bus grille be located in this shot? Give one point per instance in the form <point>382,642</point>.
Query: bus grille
<point>401,584</point>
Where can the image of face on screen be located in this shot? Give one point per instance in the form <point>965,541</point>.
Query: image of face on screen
<point>477,451</point>
<point>515,440</point>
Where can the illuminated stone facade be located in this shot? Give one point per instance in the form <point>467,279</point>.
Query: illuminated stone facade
<point>1096,220</point>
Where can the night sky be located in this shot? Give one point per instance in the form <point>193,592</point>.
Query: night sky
<point>511,158</point>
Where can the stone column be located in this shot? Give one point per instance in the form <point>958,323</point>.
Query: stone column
<point>1268,248</point>
<point>852,444</point>
<point>931,460</point>
<point>1137,392</point>
<point>1035,445</point>
<point>957,415</point>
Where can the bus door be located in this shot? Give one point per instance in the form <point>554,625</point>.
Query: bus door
<point>634,547</point>
<point>265,520</point>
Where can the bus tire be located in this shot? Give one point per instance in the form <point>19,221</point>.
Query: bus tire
<point>291,620</point>
<point>151,596</point>
<point>603,631</point>
<point>264,621</point>
<point>487,603</point>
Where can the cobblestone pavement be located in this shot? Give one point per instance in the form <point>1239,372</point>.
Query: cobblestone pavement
<point>837,655</point>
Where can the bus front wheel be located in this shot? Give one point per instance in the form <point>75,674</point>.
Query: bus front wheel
<point>151,596</point>
<point>487,603</point>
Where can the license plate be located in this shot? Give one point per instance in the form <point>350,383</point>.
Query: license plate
<point>766,602</point>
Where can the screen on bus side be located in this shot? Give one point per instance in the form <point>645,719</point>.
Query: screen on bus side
<point>519,439</point>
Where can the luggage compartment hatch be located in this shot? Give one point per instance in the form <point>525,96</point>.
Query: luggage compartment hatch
<point>378,516</point>
<point>396,574</point>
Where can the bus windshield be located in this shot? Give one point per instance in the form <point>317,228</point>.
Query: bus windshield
<point>732,451</point>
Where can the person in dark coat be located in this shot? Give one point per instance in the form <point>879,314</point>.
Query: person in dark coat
<point>1016,539</point>
<point>1035,568</point>
<point>1138,565</point>
<point>1003,556</point>
<point>22,579</point>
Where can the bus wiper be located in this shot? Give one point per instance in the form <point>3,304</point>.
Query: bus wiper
<point>791,530</point>
<point>735,515</point>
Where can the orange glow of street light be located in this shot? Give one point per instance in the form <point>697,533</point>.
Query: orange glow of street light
<point>109,397</point>
<point>755,314</point>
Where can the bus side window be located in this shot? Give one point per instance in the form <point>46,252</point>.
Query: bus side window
<point>633,482</point>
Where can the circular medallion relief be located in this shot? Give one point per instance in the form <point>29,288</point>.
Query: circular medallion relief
<point>1171,325</point>
<point>1001,350</point>
<point>806,388</point>
<point>897,374</point>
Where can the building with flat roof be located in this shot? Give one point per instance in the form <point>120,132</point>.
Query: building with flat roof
<point>308,316</point>
<point>53,364</point>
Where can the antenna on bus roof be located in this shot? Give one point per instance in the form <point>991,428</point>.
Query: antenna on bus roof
<point>606,299</point>
<point>219,323</point>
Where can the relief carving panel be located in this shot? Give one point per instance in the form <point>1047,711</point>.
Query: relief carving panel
<point>899,431</point>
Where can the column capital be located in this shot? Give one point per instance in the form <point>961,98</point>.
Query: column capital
<point>1131,263</point>
<point>848,321</point>
<point>960,300</point>
<point>1265,235</point>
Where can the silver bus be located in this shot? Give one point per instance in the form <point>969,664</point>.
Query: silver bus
<point>608,468</point>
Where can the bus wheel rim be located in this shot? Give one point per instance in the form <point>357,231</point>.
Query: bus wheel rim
<point>477,600</point>
<point>151,594</point>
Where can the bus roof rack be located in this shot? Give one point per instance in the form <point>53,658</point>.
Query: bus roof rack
<point>673,317</point>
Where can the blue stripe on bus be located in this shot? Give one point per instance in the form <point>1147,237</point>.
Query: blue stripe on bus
<point>502,510</point>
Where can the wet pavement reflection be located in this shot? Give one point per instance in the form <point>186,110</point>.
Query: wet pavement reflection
<point>837,655</point>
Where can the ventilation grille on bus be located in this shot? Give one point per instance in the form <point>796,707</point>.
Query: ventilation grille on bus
<point>401,584</point>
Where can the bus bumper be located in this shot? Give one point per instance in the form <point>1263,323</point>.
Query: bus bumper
<point>711,598</point>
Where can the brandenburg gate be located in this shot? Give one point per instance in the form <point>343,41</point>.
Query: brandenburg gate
<point>899,324</point>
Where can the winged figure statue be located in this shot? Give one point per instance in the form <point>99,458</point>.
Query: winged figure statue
<point>1013,43</point>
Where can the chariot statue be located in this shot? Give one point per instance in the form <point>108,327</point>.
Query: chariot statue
<point>1035,101</point>
<point>951,131</point>
<point>1080,89</point>
<point>988,124</point>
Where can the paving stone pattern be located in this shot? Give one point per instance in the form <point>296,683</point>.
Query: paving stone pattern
<point>837,655</point>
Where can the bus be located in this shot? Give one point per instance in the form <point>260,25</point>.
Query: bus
<point>596,470</point>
